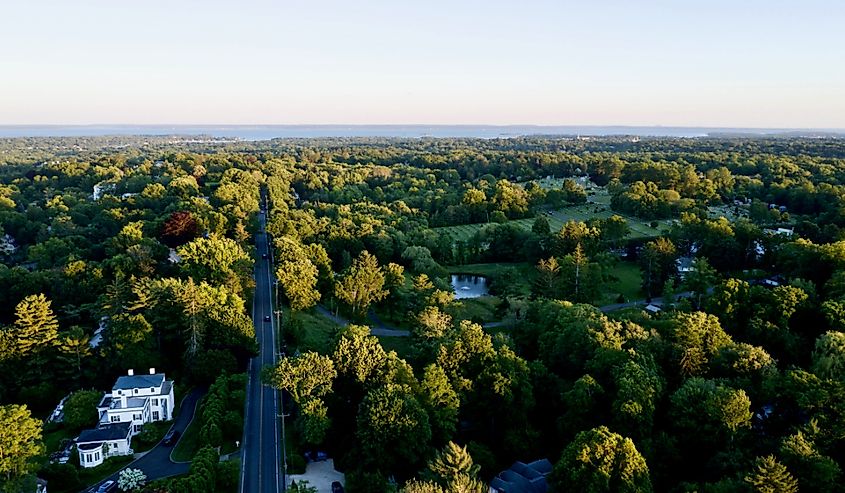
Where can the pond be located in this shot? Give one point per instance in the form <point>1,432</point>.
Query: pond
<point>469,286</point>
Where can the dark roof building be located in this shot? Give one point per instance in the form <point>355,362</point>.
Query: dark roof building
<point>110,432</point>
<point>139,381</point>
<point>523,478</point>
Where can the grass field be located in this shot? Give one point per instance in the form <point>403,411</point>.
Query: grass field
<point>628,283</point>
<point>583,212</point>
<point>481,309</point>
<point>318,332</point>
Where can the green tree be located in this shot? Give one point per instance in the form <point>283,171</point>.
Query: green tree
<point>305,376</point>
<point>657,261</point>
<point>451,462</point>
<point>362,284</point>
<point>816,473</point>
<point>74,344</point>
<point>441,401</point>
<point>599,460</point>
<point>580,279</point>
<point>297,275</point>
<point>698,336</point>
<point>358,355</point>
<point>299,283</point>
<point>214,260</point>
<point>700,279</point>
<point>80,409</point>
<point>547,282</point>
<point>706,412</point>
<point>541,227</point>
<point>770,476</point>
<point>35,325</point>
<point>393,428</point>
<point>20,441</point>
<point>640,387</point>
<point>829,356</point>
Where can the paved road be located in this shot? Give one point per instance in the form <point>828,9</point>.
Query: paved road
<point>156,463</point>
<point>379,328</point>
<point>261,469</point>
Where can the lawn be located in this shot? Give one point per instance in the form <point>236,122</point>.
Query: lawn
<point>151,434</point>
<point>53,435</point>
<point>318,332</point>
<point>628,283</point>
<point>481,309</point>
<point>639,228</point>
<point>402,345</point>
<point>188,443</point>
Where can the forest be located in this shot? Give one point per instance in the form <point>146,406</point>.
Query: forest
<point>657,314</point>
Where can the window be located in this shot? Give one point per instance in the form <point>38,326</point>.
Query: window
<point>114,419</point>
<point>119,392</point>
<point>152,390</point>
<point>155,402</point>
<point>96,456</point>
<point>136,417</point>
<point>137,428</point>
<point>136,390</point>
<point>89,458</point>
<point>155,415</point>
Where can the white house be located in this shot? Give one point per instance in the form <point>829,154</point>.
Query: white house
<point>138,399</point>
<point>134,400</point>
<point>99,444</point>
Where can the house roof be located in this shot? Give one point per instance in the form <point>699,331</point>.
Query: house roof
<point>138,381</point>
<point>116,431</point>
<point>523,478</point>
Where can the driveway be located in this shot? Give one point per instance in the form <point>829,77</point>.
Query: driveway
<point>156,463</point>
<point>319,475</point>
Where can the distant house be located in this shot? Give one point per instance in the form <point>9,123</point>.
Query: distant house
<point>523,478</point>
<point>99,444</point>
<point>101,189</point>
<point>134,400</point>
<point>685,266</point>
<point>653,309</point>
<point>173,257</point>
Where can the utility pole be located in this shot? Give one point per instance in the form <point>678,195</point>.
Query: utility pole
<point>281,393</point>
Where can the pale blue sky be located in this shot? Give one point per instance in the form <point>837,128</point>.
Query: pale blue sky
<point>705,63</point>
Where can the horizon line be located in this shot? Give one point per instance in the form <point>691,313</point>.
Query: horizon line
<point>492,125</point>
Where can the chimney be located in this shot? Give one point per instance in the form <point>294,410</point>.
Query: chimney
<point>152,371</point>
<point>131,372</point>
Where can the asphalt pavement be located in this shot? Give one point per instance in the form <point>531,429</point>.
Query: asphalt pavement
<point>261,467</point>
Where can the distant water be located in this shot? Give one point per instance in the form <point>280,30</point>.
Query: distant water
<point>264,132</point>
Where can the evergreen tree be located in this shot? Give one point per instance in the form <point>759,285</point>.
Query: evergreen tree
<point>35,326</point>
<point>770,476</point>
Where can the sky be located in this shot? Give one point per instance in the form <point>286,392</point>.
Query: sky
<point>737,63</point>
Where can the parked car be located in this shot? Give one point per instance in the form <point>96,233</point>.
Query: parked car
<point>171,438</point>
<point>263,255</point>
<point>317,456</point>
<point>337,487</point>
<point>107,487</point>
<point>266,318</point>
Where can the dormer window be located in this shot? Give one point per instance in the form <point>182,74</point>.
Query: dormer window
<point>152,390</point>
<point>136,390</point>
<point>119,392</point>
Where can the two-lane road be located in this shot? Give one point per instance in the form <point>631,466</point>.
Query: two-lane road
<point>261,470</point>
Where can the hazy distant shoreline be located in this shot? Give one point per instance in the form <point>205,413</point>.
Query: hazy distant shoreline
<point>265,132</point>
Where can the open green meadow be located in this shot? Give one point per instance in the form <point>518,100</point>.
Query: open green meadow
<point>557,219</point>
